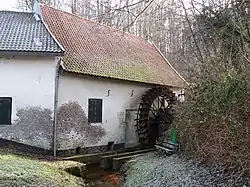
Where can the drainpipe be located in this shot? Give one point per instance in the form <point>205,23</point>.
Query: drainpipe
<point>56,105</point>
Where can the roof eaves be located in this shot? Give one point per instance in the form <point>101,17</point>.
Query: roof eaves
<point>169,63</point>
<point>111,78</point>
<point>107,77</point>
<point>29,53</point>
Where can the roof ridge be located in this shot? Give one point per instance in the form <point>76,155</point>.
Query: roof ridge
<point>52,36</point>
<point>101,24</point>
<point>15,24</point>
<point>171,66</point>
<point>15,11</point>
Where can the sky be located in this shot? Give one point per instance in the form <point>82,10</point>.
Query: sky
<point>11,4</point>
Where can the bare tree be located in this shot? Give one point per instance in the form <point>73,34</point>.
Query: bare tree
<point>160,21</point>
<point>26,5</point>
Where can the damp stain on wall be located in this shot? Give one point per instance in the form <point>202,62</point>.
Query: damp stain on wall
<point>33,126</point>
<point>73,129</point>
<point>116,132</point>
<point>121,125</point>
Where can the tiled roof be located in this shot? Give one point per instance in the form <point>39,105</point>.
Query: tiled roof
<point>21,32</point>
<point>95,49</point>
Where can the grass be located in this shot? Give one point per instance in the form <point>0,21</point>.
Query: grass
<point>19,171</point>
<point>157,170</point>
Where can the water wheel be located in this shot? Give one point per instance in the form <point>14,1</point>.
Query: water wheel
<point>155,114</point>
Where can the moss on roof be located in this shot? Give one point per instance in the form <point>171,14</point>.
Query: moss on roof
<point>95,49</point>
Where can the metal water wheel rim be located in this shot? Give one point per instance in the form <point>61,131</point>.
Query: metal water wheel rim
<point>145,107</point>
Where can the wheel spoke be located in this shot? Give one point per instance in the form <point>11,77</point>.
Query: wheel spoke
<point>158,102</point>
<point>160,99</point>
<point>153,112</point>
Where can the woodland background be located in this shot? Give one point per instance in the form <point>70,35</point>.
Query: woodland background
<point>208,42</point>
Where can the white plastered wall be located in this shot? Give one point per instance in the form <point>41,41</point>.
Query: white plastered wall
<point>117,97</point>
<point>30,81</point>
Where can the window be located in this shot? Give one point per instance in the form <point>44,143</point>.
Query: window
<point>5,110</point>
<point>95,111</point>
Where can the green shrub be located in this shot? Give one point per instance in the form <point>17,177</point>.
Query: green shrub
<point>213,125</point>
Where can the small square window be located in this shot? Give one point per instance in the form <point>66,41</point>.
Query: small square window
<point>5,110</point>
<point>95,111</point>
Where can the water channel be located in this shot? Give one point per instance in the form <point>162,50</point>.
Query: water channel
<point>97,177</point>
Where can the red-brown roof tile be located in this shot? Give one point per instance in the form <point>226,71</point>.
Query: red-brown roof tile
<point>95,49</point>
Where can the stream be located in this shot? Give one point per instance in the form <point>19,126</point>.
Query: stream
<point>97,177</point>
